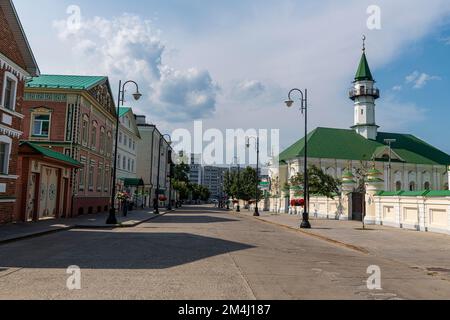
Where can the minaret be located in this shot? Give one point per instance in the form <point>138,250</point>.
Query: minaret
<point>364,94</point>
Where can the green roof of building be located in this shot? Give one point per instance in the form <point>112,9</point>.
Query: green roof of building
<point>123,111</point>
<point>363,72</point>
<point>52,154</point>
<point>426,193</point>
<point>329,143</point>
<point>65,82</point>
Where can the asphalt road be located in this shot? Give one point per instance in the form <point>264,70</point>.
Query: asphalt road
<point>203,253</point>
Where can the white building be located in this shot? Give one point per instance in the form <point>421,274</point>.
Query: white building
<point>406,162</point>
<point>195,169</point>
<point>154,147</point>
<point>127,150</point>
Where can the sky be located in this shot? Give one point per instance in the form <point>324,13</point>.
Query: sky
<point>231,63</point>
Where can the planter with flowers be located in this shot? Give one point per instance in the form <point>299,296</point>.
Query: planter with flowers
<point>297,203</point>
<point>123,198</point>
<point>162,198</point>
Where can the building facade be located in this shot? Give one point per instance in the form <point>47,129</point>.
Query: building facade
<point>45,181</point>
<point>75,115</point>
<point>406,162</point>
<point>195,169</point>
<point>17,63</point>
<point>213,179</point>
<point>154,160</point>
<point>127,149</point>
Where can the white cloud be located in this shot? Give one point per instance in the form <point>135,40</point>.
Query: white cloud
<point>419,80</point>
<point>248,89</point>
<point>128,47</point>
<point>397,88</point>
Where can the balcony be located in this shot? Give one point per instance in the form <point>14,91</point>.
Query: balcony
<point>354,93</point>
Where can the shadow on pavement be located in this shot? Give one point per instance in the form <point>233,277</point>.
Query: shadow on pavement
<point>180,218</point>
<point>114,250</point>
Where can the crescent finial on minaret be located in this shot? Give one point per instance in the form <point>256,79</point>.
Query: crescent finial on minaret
<point>364,43</point>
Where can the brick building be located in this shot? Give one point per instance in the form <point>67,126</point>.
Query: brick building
<point>17,63</point>
<point>75,115</point>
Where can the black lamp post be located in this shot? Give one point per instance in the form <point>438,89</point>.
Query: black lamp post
<point>304,109</point>
<point>238,184</point>
<point>169,161</point>
<point>256,214</point>
<point>112,219</point>
<point>157,193</point>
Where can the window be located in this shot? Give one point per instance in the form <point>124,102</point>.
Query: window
<point>81,174</point>
<point>41,126</point>
<point>107,178</point>
<point>94,136</point>
<point>412,186</point>
<point>398,186</point>
<point>4,157</point>
<point>129,165</point>
<point>134,145</point>
<point>427,186</point>
<point>100,177</point>
<point>124,163</point>
<point>85,130</point>
<point>125,140</point>
<point>120,137</point>
<point>9,91</point>
<point>118,161</point>
<point>102,140</point>
<point>109,144</point>
<point>130,143</point>
<point>91,177</point>
<point>132,166</point>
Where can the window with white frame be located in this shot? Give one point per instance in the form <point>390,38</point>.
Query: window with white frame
<point>94,135</point>
<point>41,125</point>
<point>81,174</point>
<point>9,91</point>
<point>124,163</point>
<point>100,177</point>
<point>91,176</point>
<point>85,128</point>
<point>5,147</point>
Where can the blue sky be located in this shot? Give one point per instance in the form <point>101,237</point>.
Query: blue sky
<point>233,62</point>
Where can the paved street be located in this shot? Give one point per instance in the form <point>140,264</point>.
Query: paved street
<point>204,253</point>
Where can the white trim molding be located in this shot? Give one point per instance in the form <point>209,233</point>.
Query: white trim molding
<point>10,132</point>
<point>12,112</point>
<point>8,200</point>
<point>9,176</point>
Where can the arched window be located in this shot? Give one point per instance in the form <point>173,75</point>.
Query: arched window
<point>85,129</point>
<point>94,135</point>
<point>5,150</point>
<point>9,91</point>
<point>412,186</point>
<point>427,186</point>
<point>398,186</point>
<point>446,187</point>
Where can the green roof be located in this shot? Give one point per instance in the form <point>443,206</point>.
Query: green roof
<point>65,82</point>
<point>363,72</point>
<point>329,143</point>
<point>132,182</point>
<point>52,154</point>
<point>426,193</point>
<point>123,111</point>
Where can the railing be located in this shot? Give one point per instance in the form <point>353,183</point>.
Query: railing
<point>353,93</point>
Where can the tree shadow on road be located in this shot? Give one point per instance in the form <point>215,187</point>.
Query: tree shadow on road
<point>114,250</point>
<point>184,218</point>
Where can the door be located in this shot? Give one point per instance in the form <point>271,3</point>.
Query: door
<point>358,206</point>
<point>48,193</point>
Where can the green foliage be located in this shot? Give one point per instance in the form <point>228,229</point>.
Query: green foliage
<point>242,185</point>
<point>320,183</point>
<point>200,192</point>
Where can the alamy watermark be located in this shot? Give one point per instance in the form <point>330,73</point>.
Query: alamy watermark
<point>374,281</point>
<point>374,19</point>
<point>74,280</point>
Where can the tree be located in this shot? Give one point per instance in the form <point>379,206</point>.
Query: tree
<point>320,183</point>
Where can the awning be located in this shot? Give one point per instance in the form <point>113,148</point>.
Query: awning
<point>130,182</point>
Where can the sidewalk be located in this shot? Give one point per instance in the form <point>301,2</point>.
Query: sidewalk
<point>19,231</point>
<point>420,250</point>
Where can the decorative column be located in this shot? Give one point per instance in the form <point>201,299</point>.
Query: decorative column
<point>348,187</point>
<point>374,184</point>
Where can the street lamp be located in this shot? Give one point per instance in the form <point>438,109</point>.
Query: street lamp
<point>256,214</point>
<point>304,109</point>
<point>112,219</point>
<point>169,141</point>
<point>389,142</point>
<point>169,207</point>
<point>238,184</point>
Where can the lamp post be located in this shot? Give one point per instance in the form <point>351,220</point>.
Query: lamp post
<point>112,219</point>
<point>304,110</point>
<point>238,209</point>
<point>389,142</point>
<point>256,214</point>
<point>169,207</point>
<point>159,171</point>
